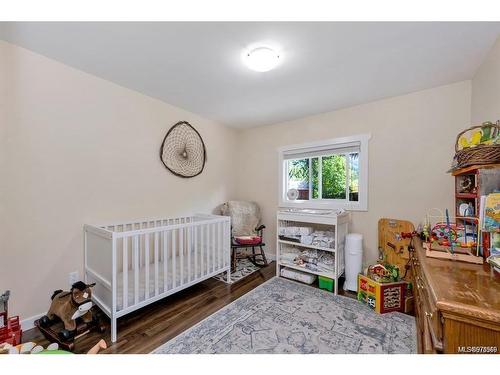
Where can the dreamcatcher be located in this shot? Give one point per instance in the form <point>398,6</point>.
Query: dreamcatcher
<point>183,151</point>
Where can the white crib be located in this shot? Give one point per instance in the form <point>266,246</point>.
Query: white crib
<point>137,263</point>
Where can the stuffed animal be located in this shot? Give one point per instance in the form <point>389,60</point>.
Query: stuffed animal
<point>68,306</point>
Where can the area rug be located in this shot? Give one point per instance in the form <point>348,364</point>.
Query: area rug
<point>282,316</point>
<point>243,268</point>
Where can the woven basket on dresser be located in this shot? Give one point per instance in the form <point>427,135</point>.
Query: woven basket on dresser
<point>478,155</point>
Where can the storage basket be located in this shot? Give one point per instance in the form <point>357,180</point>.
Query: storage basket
<point>481,154</point>
<point>326,283</point>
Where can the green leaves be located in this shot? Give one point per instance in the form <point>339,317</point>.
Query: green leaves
<point>329,175</point>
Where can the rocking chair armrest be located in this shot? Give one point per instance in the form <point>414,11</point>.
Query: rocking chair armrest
<point>259,229</point>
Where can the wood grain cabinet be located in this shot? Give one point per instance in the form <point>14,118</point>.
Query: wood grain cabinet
<point>457,305</point>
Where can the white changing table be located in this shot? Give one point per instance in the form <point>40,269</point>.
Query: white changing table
<point>319,220</point>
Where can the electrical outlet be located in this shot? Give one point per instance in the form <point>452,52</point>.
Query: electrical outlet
<point>73,277</point>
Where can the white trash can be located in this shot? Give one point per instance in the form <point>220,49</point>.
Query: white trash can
<point>353,255</point>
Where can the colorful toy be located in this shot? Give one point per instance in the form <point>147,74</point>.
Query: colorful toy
<point>426,231</point>
<point>409,235</point>
<point>383,273</point>
<point>395,243</point>
<point>382,297</point>
<point>32,348</point>
<point>73,308</point>
<point>10,328</point>
<point>447,240</point>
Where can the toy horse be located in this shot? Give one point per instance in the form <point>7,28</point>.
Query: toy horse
<point>68,306</point>
<point>71,307</point>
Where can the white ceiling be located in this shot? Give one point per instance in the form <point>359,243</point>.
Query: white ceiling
<point>326,66</point>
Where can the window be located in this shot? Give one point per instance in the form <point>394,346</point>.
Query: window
<point>329,174</point>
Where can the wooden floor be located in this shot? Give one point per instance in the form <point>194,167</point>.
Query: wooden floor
<point>146,329</point>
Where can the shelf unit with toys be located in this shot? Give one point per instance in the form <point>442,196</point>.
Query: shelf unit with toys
<point>459,236</point>
<point>470,184</point>
<point>445,238</point>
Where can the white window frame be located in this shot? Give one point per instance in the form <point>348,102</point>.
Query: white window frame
<point>360,205</point>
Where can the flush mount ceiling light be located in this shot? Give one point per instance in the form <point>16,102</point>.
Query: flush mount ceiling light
<point>261,59</point>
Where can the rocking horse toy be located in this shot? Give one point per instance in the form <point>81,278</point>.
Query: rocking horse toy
<point>73,308</point>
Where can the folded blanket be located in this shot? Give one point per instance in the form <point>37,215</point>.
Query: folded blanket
<point>295,231</point>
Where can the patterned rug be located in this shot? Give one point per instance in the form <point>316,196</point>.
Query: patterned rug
<point>243,268</point>
<point>282,316</point>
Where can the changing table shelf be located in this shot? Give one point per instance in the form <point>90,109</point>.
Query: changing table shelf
<point>329,249</point>
<point>319,221</point>
<point>299,268</point>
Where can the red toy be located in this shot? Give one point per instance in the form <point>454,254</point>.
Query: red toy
<point>11,333</point>
<point>408,235</point>
<point>10,328</point>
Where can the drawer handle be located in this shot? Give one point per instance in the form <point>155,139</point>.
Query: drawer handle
<point>420,285</point>
<point>438,344</point>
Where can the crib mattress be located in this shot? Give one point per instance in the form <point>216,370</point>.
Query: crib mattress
<point>196,273</point>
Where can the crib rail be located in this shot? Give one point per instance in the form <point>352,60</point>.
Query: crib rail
<point>136,263</point>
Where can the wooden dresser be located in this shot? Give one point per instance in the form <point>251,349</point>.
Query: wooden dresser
<point>457,305</point>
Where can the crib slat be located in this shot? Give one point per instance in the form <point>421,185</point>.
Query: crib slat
<point>136,268</point>
<point>213,248</point>
<point>219,245</point>
<point>189,234</point>
<point>181,253</point>
<point>195,252</point>
<point>156,263</point>
<point>202,250</point>
<point>165,261</point>
<point>141,244</point>
<point>174,255</point>
<point>227,238</point>
<point>125,273</point>
<point>207,248</point>
<point>146,261</point>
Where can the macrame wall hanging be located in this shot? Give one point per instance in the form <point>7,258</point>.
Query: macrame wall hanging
<point>183,151</point>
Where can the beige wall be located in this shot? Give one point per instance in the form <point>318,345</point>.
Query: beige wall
<point>486,89</point>
<point>83,150</point>
<point>410,151</point>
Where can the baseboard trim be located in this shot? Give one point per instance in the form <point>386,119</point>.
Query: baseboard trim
<point>29,323</point>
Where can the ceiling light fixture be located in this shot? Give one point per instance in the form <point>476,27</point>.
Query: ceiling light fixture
<point>261,59</point>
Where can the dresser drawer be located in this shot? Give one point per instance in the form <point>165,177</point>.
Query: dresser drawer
<point>431,315</point>
<point>428,313</point>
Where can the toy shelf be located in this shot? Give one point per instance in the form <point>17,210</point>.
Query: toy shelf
<point>474,168</point>
<point>324,221</point>
<point>466,195</point>
<point>469,218</point>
